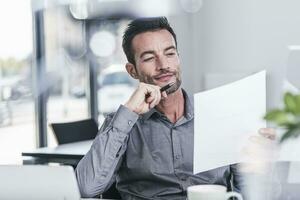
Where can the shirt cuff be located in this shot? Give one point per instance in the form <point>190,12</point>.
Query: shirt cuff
<point>124,119</point>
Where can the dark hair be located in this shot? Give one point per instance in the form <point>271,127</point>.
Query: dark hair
<point>142,25</point>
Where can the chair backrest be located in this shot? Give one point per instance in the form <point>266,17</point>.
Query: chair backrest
<point>75,131</point>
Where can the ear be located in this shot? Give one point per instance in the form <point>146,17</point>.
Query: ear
<point>132,70</point>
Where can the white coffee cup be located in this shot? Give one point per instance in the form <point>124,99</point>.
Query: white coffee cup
<point>210,192</point>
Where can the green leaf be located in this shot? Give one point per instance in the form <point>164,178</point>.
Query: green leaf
<point>287,118</point>
<point>290,102</point>
<point>278,116</point>
<point>294,132</point>
<point>297,99</point>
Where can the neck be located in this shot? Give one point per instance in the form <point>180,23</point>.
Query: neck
<point>172,106</point>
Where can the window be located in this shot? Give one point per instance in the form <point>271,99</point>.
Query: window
<point>17,121</point>
<point>78,63</point>
<point>114,83</point>
<point>66,68</point>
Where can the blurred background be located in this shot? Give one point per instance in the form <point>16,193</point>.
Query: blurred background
<point>62,60</point>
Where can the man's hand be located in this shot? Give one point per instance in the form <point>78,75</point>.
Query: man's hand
<point>268,133</point>
<point>144,98</point>
<point>259,151</point>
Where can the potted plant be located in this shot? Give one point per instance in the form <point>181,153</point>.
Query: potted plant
<point>288,117</point>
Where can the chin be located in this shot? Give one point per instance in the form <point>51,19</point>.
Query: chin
<point>175,87</point>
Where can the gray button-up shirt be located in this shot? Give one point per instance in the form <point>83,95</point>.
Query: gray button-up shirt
<point>148,156</point>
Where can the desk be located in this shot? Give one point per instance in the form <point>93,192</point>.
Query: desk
<point>69,154</point>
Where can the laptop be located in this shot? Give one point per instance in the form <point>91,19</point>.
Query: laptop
<point>38,182</point>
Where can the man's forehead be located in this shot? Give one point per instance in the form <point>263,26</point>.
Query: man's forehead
<point>152,39</point>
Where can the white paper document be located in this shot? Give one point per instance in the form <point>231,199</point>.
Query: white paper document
<point>225,118</point>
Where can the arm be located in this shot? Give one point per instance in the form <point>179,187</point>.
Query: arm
<point>257,173</point>
<point>98,168</point>
<point>96,171</point>
<point>238,178</point>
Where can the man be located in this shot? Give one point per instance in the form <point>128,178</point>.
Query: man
<point>147,145</point>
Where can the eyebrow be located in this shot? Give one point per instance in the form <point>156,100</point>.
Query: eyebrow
<point>153,52</point>
<point>170,47</point>
<point>147,52</point>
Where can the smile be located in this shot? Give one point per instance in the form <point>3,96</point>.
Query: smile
<point>164,77</point>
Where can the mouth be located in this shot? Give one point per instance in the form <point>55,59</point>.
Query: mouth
<point>164,77</point>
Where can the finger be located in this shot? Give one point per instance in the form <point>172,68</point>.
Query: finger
<point>150,92</point>
<point>157,95</point>
<point>150,96</point>
<point>153,90</point>
<point>149,99</point>
<point>268,130</point>
<point>255,139</point>
<point>164,94</point>
<point>258,141</point>
<point>144,108</point>
<point>153,104</point>
<point>268,133</point>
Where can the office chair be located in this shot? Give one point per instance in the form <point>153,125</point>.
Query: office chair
<point>75,131</point>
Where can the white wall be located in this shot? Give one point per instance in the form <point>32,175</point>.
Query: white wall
<point>232,37</point>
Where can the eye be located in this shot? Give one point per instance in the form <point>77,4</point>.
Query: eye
<point>170,54</point>
<point>148,59</point>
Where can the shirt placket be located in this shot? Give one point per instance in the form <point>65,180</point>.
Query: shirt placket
<point>177,155</point>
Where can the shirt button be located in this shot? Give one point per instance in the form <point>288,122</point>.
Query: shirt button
<point>177,157</point>
<point>129,122</point>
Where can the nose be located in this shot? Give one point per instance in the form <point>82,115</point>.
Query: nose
<point>162,63</point>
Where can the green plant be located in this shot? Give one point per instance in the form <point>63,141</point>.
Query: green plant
<point>288,117</point>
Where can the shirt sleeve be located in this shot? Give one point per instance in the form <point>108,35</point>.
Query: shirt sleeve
<point>96,171</point>
<point>238,178</point>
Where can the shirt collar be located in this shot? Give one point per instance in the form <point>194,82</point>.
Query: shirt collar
<point>188,108</point>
